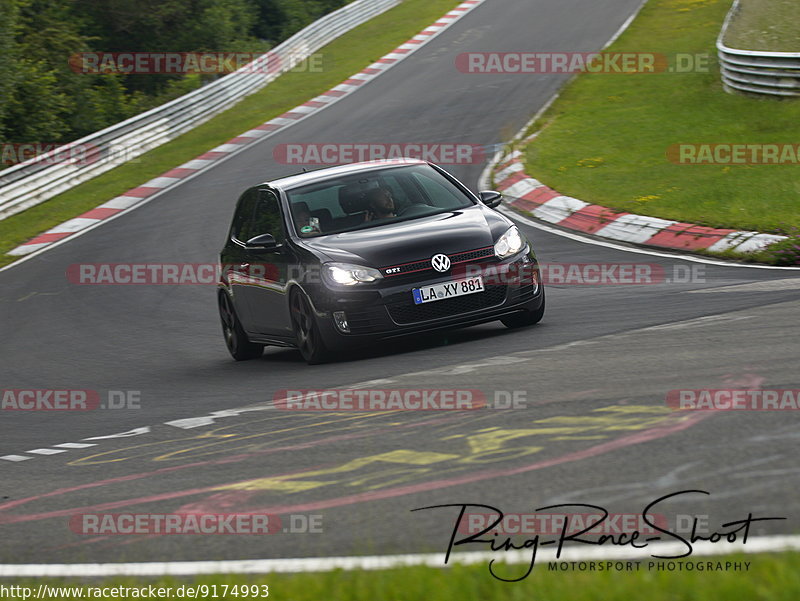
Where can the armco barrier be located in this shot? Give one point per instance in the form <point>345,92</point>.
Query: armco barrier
<point>757,72</point>
<point>35,181</point>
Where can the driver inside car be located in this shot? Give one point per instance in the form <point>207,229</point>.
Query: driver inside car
<point>380,205</point>
<point>304,222</point>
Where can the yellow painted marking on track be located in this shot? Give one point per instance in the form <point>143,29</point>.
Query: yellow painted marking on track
<point>620,417</point>
<point>658,409</point>
<point>292,483</point>
<point>613,421</point>
<point>486,445</point>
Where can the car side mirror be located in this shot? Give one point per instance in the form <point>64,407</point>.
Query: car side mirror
<point>491,198</point>
<point>263,242</point>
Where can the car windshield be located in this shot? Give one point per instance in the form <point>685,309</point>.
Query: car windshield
<point>373,198</point>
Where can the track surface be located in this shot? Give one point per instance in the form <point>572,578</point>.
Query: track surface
<point>595,372</point>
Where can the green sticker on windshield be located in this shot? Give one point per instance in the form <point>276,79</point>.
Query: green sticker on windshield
<point>306,229</point>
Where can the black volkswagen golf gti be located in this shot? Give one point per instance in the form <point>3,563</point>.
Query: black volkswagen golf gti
<point>339,257</point>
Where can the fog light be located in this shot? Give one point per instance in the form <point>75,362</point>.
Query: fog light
<point>340,319</point>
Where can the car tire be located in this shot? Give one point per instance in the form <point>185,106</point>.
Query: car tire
<point>524,318</point>
<point>239,346</point>
<point>308,337</point>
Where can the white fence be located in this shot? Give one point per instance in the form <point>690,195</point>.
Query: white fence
<point>37,180</point>
<point>756,72</point>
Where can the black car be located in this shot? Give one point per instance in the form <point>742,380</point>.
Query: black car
<point>339,257</point>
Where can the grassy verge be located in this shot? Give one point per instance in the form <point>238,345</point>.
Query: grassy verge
<point>341,58</point>
<point>605,140</point>
<point>771,25</point>
<point>771,577</point>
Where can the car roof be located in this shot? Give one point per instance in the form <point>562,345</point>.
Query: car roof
<point>309,177</point>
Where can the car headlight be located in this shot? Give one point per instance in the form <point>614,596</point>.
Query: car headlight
<point>510,243</point>
<point>346,274</point>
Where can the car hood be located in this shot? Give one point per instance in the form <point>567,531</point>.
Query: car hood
<point>413,240</point>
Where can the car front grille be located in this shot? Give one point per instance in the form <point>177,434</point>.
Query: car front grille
<point>425,264</point>
<point>408,312</point>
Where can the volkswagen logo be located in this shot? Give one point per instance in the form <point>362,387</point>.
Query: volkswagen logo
<point>440,262</point>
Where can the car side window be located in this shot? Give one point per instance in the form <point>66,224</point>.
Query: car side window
<point>244,215</point>
<point>267,218</point>
<point>327,198</point>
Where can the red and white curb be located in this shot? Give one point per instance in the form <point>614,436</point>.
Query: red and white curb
<point>140,195</point>
<point>530,195</point>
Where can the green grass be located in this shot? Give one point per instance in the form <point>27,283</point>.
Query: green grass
<point>772,25</point>
<point>341,58</point>
<point>605,139</point>
<point>771,577</point>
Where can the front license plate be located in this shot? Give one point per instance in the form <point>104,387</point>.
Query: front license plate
<point>428,294</point>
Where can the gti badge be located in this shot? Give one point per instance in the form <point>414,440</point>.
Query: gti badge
<point>440,262</point>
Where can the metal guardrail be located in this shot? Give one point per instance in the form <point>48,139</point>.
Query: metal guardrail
<point>37,180</point>
<point>757,72</point>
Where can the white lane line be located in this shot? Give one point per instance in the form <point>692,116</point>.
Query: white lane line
<point>128,434</point>
<point>74,445</point>
<point>761,544</point>
<point>769,286</point>
<point>15,458</point>
<point>208,420</point>
<point>697,322</point>
<point>46,451</point>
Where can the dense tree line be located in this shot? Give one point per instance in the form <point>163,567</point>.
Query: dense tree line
<point>43,99</point>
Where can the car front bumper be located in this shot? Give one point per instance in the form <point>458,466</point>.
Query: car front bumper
<point>389,311</point>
